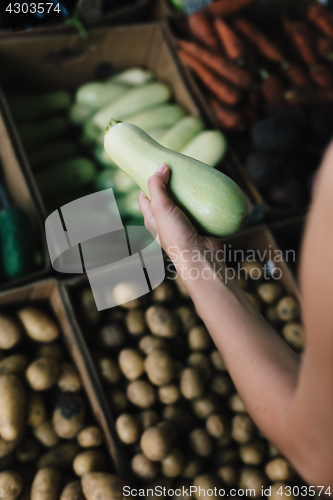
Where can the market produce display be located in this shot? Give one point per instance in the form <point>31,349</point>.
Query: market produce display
<point>175,406</point>
<point>63,136</point>
<point>269,91</point>
<point>48,441</point>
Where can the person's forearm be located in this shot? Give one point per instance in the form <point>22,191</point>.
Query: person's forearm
<point>262,366</point>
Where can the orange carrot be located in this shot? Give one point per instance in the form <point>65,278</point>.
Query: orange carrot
<point>272,91</point>
<point>201,29</point>
<point>298,97</point>
<point>300,36</point>
<point>295,74</point>
<point>226,117</point>
<point>321,76</point>
<point>218,87</point>
<point>222,66</point>
<point>262,43</point>
<point>230,41</point>
<point>325,48</point>
<point>321,18</point>
<point>227,7</point>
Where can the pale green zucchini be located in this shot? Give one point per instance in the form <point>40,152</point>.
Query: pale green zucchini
<point>91,133</point>
<point>157,133</point>
<point>95,95</point>
<point>214,202</point>
<point>123,183</point>
<point>105,180</point>
<point>182,133</point>
<point>209,147</point>
<point>33,107</point>
<point>133,76</point>
<point>133,102</point>
<point>79,114</point>
<point>159,117</point>
<point>52,153</point>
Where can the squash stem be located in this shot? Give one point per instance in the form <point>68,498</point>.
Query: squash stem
<point>111,124</point>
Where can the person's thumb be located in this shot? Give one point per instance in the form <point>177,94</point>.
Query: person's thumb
<point>157,184</point>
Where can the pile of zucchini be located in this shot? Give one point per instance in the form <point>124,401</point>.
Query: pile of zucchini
<point>63,137</point>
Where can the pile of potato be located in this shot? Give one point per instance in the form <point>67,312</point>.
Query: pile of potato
<point>175,406</point>
<point>48,447</point>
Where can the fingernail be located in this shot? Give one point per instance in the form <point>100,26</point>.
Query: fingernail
<point>161,168</point>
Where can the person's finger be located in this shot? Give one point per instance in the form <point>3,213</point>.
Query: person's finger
<point>145,208</point>
<point>157,184</point>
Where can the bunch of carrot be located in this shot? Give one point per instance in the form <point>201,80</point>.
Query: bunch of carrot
<point>245,74</point>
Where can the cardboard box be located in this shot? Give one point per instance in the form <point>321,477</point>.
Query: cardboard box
<point>49,295</point>
<point>43,63</point>
<point>21,194</point>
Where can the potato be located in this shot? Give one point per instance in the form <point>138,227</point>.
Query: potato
<point>161,321</point>
<point>54,351</point>
<point>36,411</point>
<point>179,416</point>
<point>90,436</point>
<point>236,404</point>
<point>29,451</point>
<point>168,394</point>
<point>109,370</point>
<point>155,444</point>
<point>131,363</point>
<point>201,443</point>
<point>254,299</point>
<point>88,310</point>
<point>252,479</point>
<point>242,428</point>
<point>68,416</point>
<point>187,317</point>
<point>69,380</point>
<point>144,468</point>
<point>191,383</point>
<point>206,485</point>
<point>112,336</point>
<point>15,365</point>
<point>60,457</point>
<point>135,322</point>
<point>141,393</point>
<point>42,374</point>
<point>199,338</point>
<point>228,475</point>
<point>169,429</point>
<point>117,400</point>
<point>13,407</point>
<point>147,418</point>
<point>217,361</point>
<point>38,325</point>
<point>128,428</point>
<point>193,467</point>
<point>273,451</point>
<point>102,485</point>
<point>159,367</point>
<point>201,361</point>
<point>163,293</point>
<point>221,385</point>
<point>149,343</point>
<point>279,470</point>
<point>277,489</point>
<point>10,332</point>
<point>73,491</point>
<point>271,314</point>
<point>288,309</point>
<point>203,407</point>
<point>252,270</point>
<point>46,484</point>
<point>89,461</point>
<point>173,464</point>
<point>252,453</point>
<point>7,447</point>
<point>269,292</point>
<point>44,432</point>
<point>11,485</point>
<point>217,426</point>
<point>293,333</point>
